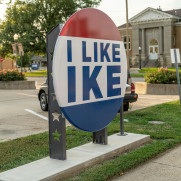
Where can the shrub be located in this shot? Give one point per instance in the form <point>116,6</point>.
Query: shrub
<point>11,75</point>
<point>161,76</point>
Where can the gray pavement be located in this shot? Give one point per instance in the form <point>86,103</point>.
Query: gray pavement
<point>138,79</point>
<point>15,121</point>
<point>39,80</point>
<point>166,167</point>
<point>151,100</point>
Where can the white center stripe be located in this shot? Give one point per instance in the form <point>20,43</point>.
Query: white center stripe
<point>36,114</point>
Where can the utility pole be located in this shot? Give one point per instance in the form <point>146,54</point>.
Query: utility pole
<point>15,40</point>
<point>127,36</point>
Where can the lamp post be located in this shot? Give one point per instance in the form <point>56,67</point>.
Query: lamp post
<point>15,40</point>
<point>127,36</point>
<point>140,56</point>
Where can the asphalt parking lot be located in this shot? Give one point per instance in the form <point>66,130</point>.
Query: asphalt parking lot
<point>151,100</point>
<point>15,120</point>
<point>21,114</point>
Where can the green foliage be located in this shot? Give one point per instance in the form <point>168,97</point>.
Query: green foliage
<point>147,70</point>
<point>11,75</point>
<point>33,19</point>
<point>23,150</point>
<point>161,76</point>
<point>25,60</point>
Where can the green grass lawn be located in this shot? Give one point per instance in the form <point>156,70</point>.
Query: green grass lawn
<point>36,74</point>
<point>165,136</point>
<point>146,70</point>
<point>137,75</point>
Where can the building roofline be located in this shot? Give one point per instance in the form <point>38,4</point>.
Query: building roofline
<point>155,10</point>
<point>123,26</point>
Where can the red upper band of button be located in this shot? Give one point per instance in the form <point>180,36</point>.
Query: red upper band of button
<point>91,23</point>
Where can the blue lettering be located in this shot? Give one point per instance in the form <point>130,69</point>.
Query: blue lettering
<point>84,58</point>
<point>90,82</point>
<point>71,84</point>
<point>104,52</point>
<point>113,81</point>
<point>69,50</point>
<point>95,52</point>
<point>114,52</point>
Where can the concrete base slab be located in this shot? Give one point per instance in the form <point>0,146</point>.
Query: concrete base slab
<point>78,159</point>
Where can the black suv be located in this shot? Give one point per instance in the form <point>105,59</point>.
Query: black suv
<point>130,95</point>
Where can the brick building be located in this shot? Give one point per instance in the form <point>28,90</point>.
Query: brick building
<point>7,64</point>
<point>155,32</point>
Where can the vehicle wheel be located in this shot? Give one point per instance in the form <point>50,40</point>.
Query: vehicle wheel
<point>43,101</point>
<point>126,106</point>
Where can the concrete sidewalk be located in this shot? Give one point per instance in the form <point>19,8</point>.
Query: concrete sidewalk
<point>166,167</point>
<point>78,159</point>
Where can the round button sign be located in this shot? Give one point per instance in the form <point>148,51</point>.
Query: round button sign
<point>89,70</point>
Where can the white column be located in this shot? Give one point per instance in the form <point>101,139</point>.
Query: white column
<point>143,41</point>
<point>161,40</point>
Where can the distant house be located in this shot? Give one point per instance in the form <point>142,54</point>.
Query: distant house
<point>155,32</point>
<point>37,59</point>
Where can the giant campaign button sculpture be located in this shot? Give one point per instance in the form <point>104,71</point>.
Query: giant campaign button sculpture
<point>89,70</point>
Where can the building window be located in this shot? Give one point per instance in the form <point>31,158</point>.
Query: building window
<point>125,41</point>
<point>153,42</point>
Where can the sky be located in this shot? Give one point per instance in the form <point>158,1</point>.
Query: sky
<point>116,9</point>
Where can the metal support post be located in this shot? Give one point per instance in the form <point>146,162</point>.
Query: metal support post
<point>57,126</point>
<point>177,71</point>
<point>140,60</point>
<point>16,54</point>
<point>100,137</point>
<point>139,56</point>
<point>21,62</point>
<point>127,36</point>
<point>121,122</point>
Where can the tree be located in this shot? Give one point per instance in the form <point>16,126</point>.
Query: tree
<point>25,60</point>
<point>33,19</point>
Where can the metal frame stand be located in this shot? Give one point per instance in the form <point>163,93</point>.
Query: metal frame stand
<point>100,137</point>
<point>57,126</point>
<point>122,133</point>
